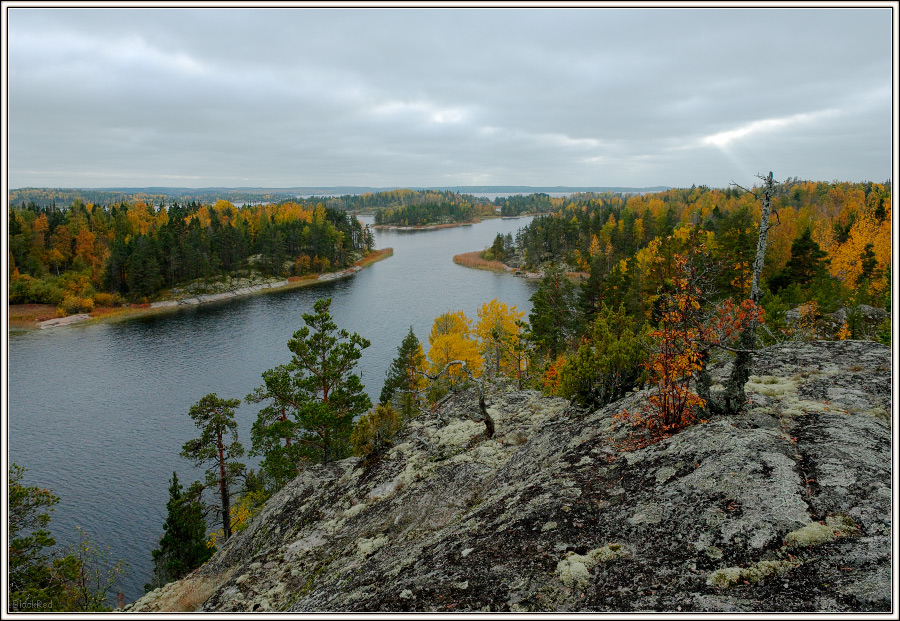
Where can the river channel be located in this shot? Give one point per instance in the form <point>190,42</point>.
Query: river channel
<point>98,412</point>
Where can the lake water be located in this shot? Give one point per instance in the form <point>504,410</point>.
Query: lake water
<point>98,413</point>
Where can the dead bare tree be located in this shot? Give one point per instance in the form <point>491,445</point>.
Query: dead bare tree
<point>485,417</point>
<point>735,398</point>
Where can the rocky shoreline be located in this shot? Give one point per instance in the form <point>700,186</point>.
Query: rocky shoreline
<point>248,290</point>
<point>231,291</point>
<point>786,507</point>
<point>425,227</point>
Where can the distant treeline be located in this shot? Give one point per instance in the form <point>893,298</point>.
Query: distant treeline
<point>340,197</point>
<point>134,250</point>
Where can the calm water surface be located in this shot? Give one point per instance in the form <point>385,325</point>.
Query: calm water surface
<point>98,413</point>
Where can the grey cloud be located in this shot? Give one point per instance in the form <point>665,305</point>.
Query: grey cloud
<point>417,97</point>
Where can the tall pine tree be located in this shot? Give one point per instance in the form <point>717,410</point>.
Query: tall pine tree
<point>215,419</point>
<point>313,400</point>
<point>329,395</point>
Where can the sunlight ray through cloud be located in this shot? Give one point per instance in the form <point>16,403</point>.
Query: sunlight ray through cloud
<point>725,138</point>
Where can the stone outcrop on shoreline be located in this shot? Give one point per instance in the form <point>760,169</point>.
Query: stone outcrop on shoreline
<point>218,297</point>
<point>423,227</point>
<point>229,293</point>
<point>786,507</point>
<point>64,321</point>
<point>247,290</point>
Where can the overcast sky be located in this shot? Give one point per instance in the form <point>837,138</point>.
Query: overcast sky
<point>282,97</point>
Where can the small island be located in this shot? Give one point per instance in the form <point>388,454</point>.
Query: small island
<point>408,210</point>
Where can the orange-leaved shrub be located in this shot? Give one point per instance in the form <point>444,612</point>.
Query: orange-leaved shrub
<point>682,342</point>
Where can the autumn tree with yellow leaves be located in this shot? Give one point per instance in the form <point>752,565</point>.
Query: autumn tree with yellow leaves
<point>499,333</point>
<point>452,338</point>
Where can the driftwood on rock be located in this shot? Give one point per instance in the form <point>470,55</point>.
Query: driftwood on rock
<point>485,417</point>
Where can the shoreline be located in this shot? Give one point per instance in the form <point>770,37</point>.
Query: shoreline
<point>430,227</point>
<point>474,261</point>
<point>29,315</point>
<point>423,227</point>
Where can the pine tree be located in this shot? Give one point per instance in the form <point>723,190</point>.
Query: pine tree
<point>30,574</point>
<point>215,419</point>
<point>182,547</point>
<point>77,580</point>
<point>275,434</point>
<point>313,399</point>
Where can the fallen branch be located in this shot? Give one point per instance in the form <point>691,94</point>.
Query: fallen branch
<point>489,428</point>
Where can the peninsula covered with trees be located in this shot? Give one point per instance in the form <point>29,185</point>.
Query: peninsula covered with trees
<point>90,255</point>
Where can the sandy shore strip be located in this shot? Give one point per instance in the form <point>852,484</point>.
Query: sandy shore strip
<point>475,261</point>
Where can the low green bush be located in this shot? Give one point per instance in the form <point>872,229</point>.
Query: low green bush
<point>610,361</point>
<point>374,431</point>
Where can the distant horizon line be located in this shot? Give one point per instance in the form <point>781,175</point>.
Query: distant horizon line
<point>554,188</point>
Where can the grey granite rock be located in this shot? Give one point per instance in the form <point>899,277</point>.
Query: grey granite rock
<point>786,507</point>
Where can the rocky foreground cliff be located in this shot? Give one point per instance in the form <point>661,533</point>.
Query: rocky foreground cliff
<point>786,507</point>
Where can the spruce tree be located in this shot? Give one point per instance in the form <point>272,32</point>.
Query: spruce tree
<point>405,379</point>
<point>553,314</point>
<point>806,264</point>
<point>182,547</point>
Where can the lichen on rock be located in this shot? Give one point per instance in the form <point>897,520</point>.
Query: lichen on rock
<point>730,576</point>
